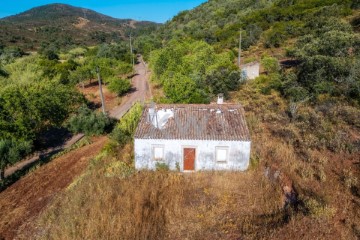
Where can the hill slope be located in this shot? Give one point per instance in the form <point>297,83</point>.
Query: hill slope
<point>218,22</point>
<point>65,25</point>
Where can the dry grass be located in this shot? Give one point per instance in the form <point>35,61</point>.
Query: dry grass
<point>113,201</point>
<point>319,153</point>
<point>161,205</point>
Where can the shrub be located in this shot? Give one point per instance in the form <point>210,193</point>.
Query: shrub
<point>270,64</point>
<point>319,209</point>
<point>11,151</point>
<point>119,86</point>
<point>125,129</point>
<point>162,167</point>
<point>89,122</point>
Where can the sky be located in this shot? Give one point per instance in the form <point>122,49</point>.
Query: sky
<point>152,10</point>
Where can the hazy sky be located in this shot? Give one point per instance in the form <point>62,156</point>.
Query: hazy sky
<point>152,10</point>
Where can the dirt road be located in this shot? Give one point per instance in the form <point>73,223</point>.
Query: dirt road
<point>141,91</point>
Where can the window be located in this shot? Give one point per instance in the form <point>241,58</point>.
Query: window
<point>222,154</point>
<point>158,153</point>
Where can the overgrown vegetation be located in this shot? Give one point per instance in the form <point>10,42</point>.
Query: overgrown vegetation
<point>11,152</point>
<point>39,91</point>
<point>88,122</point>
<point>119,86</point>
<point>191,72</point>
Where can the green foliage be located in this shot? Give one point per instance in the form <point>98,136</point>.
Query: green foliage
<point>119,86</point>
<point>9,54</point>
<point>88,122</point>
<point>270,64</point>
<point>125,129</point>
<point>119,51</point>
<point>108,68</point>
<point>49,52</point>
<point>162,167</point>
<point>145,44</point>
<point>26,110</point>
<point>329,61</point>
<point>218,22</point>
<point>191,71</point>
<point>12,151</point>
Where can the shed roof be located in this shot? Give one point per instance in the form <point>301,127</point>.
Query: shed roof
<point>196,122</point>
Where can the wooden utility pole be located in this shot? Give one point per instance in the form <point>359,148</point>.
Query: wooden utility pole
<point>131,51</point>
<point>101,92</point>
<point>239,58</point>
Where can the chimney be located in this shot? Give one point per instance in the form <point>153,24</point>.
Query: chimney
<point>152,117</point>
<point>220,99</point>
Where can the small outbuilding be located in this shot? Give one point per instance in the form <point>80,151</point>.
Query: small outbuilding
<point>251,70</point>
<point>193,138</point>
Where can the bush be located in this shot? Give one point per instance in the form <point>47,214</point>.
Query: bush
<point>125,129</point>
<point>88,122</point>
<point>270,64</point>
<point>119,86</point>
<point>162,167</point>
<point>11,151</point>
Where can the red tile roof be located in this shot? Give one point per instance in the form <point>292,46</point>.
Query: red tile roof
<point>197,122</point>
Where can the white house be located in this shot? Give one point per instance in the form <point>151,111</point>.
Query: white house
<point>193,138</point>
<point>251,70</point>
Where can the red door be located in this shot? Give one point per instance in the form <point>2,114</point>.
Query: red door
<point>189,159</point>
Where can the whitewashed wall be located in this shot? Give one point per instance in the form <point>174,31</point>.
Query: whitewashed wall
<point>239,154</point>
<point>252,71</point>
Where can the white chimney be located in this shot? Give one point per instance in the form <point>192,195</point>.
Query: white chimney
<point>152,114</point>
<point>220,99</point>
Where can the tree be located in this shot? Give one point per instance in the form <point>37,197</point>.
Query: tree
<point>119,86</point>
<point>26,110</point>
<point>11,151</point>
<point>88,122</point>
<point>192,72</point>
<point>270,64</point>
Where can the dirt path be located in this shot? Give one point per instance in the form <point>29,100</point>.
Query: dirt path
<point>24,200</point>
<point>38,155</point>
<point>141,90</point>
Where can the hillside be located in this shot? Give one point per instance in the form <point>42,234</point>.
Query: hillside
<point>273,22</point>
<point>303,181</point>
<point>66,25</point>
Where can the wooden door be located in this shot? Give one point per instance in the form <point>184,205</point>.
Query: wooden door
<point>189,159</point>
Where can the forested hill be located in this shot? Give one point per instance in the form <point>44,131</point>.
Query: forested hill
<point>66,25</point>
<point>273,21</point>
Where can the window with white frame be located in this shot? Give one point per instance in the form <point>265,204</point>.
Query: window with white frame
<point>222,154</point>
<point>158,153</point>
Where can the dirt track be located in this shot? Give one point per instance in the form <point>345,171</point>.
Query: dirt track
<point>140,94</point>
<point>24,200</point>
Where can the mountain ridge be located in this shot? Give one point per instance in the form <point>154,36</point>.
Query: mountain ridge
<point>67,25</point>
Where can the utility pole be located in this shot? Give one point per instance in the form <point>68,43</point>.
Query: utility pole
<point>101,92</point>
<point>239,58</point>
<point>131,51</point>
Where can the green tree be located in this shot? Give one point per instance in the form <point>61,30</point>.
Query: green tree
<point>11,151</point>
<point>119,86</point>
<point>89,122</point>
<point>192,72</point>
